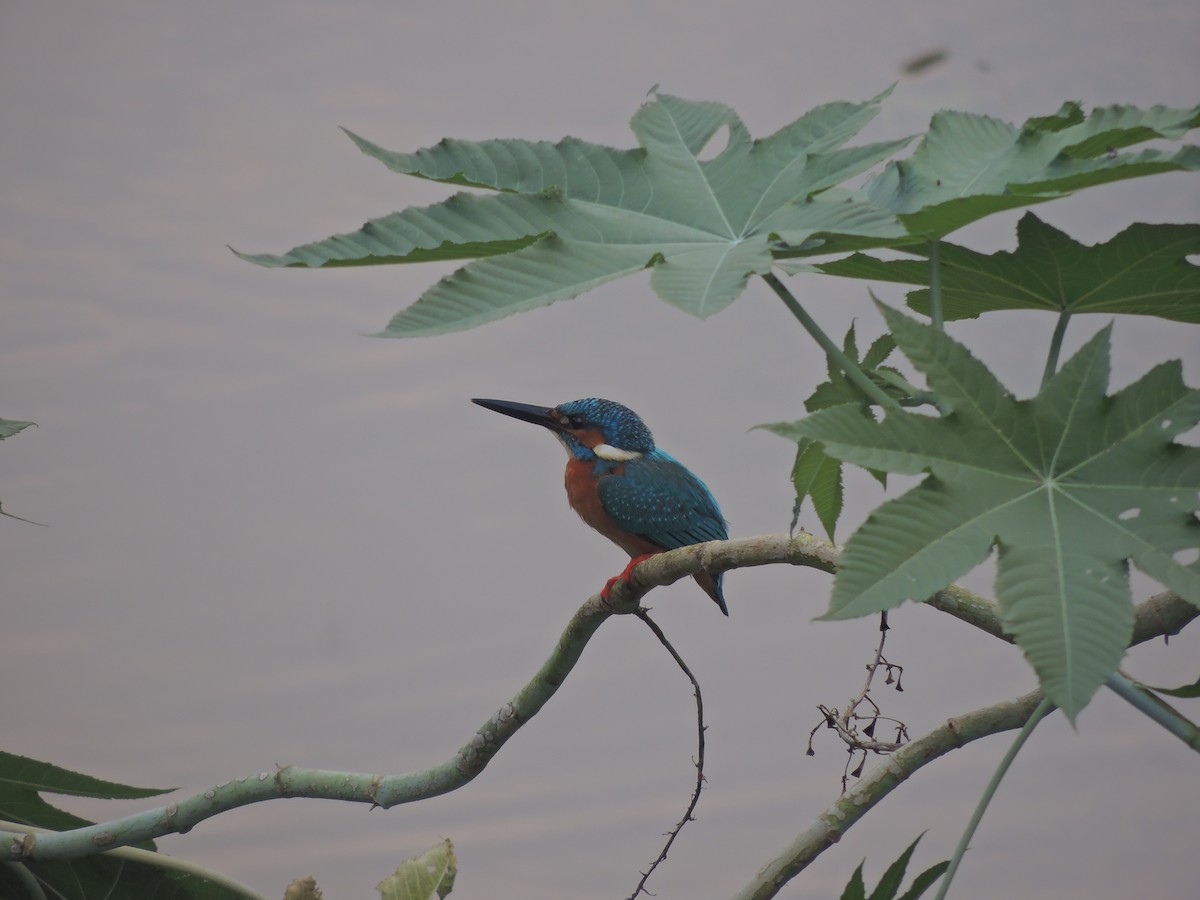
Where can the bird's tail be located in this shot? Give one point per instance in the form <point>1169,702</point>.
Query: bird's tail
<point>712,586</point>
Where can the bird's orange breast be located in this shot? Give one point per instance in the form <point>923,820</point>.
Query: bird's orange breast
<point>584,496</point>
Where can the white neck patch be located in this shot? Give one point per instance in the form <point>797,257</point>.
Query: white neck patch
<point>614,454</point>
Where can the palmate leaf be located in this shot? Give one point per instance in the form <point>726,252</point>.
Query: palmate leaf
<point>23,780</point>
<point>1144,270</point>
<point>571,215</point>
<point>1068,486</point>
<point>968,166</point>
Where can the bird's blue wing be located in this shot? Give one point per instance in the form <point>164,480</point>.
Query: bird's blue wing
<point>656,497</point>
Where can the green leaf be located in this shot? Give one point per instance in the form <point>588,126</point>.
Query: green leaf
<point>968,166</point>
<point>9,427</point>
<point>552,269</point>
<point>423,877</point>
<point>114,879</point>
<point>1067,486</point>
<point>856,888</point>
<point>881,348</point>
<point>21,775</point>
<point>840,389</point>
<point>1190,691</point>
<point>818,475</point>
<point>815,474</point>
<point>22,780</point>
<point>889,886</point>
<point>926,880</point>
<point>1144,270</point>
<point>572,215</point>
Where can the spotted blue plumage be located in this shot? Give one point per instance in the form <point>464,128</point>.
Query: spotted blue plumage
<point>620,483</point>
<point>658,498</point>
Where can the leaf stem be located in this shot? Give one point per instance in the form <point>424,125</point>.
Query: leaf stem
<point>832,350</point>
<point>935,284</point>
<point>1043,709</point>
<point>1060,329</point>
<point>1156,708</point>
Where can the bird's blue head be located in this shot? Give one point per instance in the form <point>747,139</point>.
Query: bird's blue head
<point>588,428</point>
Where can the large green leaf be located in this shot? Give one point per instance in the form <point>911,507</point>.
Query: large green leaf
<point>1144,270</point>
<point>1068,486</point>
<point>572,215</point>
<point>968,166</point>
<point>23,780</point>
<point>114,879</point>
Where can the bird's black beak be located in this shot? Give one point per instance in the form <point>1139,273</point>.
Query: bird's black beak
<point>538,415</point>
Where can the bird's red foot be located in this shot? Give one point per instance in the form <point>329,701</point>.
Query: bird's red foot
<point>624,576</point>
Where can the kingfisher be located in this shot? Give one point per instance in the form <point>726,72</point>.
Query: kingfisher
<point>639,497</point>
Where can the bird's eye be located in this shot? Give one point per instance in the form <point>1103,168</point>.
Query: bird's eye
<point>574,422</point>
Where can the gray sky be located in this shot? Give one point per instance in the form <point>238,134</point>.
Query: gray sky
<point>273,540</point>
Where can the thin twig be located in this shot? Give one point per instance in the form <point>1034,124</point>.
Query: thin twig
<point>688,816</point>
<point>1163,614</point>
<point>846,723</point>
<point>832,824</point>
<point>864,695</point>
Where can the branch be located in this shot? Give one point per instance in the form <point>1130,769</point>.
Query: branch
<point>1163,614</point>
<point>160,861</point>
<point>881,781</point>
<point>465,765</point>
<point>291,781</point>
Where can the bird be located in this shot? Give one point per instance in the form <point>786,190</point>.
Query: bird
<point>639,497</point>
